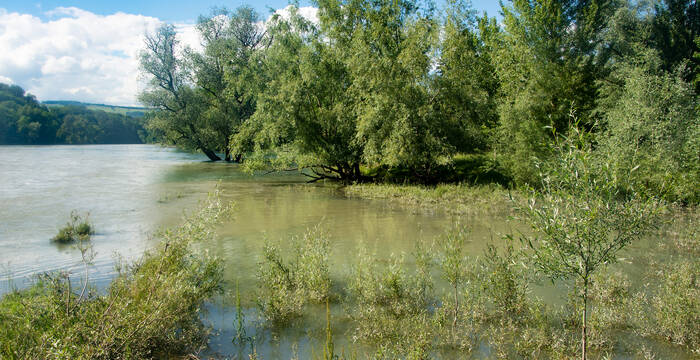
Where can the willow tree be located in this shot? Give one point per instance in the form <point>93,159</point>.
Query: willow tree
<point>304,116</point>
<point>180,107</point>
<point>582,217</point>
<point>224,71</point>
<point>466,86</point>
<point>389,47</point>
<point>549,59</point>
<point>675,34</point>
<point>354,90</point>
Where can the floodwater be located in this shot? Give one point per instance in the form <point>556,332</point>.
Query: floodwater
<point>130,191</point>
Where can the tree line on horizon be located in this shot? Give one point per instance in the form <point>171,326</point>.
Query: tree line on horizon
<point>26,121</point>
<point>408,85</point>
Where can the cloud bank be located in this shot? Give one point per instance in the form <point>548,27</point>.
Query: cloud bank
<point>78,55</point>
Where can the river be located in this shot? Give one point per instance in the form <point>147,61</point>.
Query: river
<point>130,191</point>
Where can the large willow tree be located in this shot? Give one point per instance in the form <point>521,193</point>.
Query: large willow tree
<point>203,98</point>
<point>359,89</point>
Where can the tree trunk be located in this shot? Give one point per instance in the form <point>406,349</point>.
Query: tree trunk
<point>584,335</point>
<point>356,171</point>
<point>211,155</point>
<point>227,151</point>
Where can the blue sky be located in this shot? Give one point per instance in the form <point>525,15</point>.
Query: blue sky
<point>88,50</point>
<point>170,10</point>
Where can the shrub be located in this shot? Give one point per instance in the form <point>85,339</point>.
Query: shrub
<point>652,132</point>
<point>78,227</point>
<point>389,305</point>
<point>286,286</point>
<point>676,305</point>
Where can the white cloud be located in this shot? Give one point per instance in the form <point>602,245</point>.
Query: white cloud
<point>76,54</point>
<point>308,12</point>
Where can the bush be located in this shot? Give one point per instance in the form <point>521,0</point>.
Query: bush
<point>652,132</point>
<point>676,305</point>
<point>390,305</point>
<point>77,228</point>
<point>286,286</point>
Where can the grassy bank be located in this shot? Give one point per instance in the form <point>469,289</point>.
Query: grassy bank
<point>454,199</point>
<point>150,310</point>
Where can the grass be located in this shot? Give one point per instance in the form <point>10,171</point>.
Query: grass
<point>77,228</point>
<point>454,199</point>
<point>150,310</point>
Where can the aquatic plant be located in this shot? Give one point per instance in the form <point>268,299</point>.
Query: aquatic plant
<point>676,305</point>
<point>77,228</point>
<point>285,286</point>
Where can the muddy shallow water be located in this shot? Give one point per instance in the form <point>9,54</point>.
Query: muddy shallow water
<point>130,191</point>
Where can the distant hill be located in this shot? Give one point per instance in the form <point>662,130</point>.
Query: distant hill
<point>26,121</point>
<point>123,110</point>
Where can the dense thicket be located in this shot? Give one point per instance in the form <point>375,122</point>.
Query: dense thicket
<point>23,120</point>
<point>407,86</point>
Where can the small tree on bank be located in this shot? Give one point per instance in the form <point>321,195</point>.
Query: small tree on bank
<point>582,218</point>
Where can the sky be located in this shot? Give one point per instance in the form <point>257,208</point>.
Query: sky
<point>87,50</point>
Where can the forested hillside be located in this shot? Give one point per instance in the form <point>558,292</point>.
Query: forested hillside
<point>24,120</point>
<point>401,87</point>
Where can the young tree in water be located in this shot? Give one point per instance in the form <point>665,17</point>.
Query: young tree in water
<point>582,218</point>
<point>180,117</point>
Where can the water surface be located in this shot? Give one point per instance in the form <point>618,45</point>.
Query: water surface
<point>130,191</point>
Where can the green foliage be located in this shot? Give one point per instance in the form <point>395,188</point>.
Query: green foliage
<point>389,303</point>
<point>675,28</point>
<point>676,305</point>
<point>180,120</point>
<point>581,217</point>
<point>23,120</point>
<point>652,132</point>
<point>466,85</point>
<point>329,348</point>
<point>80,125</point>
<point>355,90</point>
<point>305,112</point>
<point>286,286</point>
<point>507,283</point>
<point>394,90</point>
<point>76,229</point>
<point>548,59</point>
<point>202,99</point>
<point>455,199</point>
<point>151,309</point>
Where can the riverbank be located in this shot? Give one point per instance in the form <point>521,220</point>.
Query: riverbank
<point>151,309</point>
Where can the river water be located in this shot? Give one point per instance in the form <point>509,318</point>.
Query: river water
<point>130,191</point>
